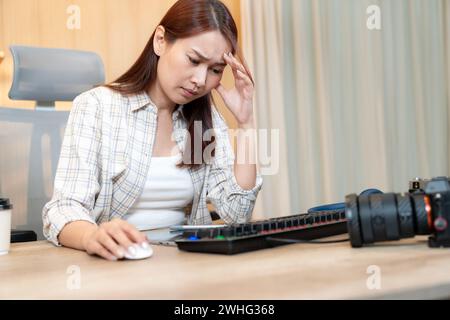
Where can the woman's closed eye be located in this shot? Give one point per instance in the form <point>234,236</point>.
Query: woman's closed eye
<point>218,71</point>
<point>197,62</point>
<point>193,61</point>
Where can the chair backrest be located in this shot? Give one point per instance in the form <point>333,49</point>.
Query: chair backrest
<point>46,75</point>
<point>30,140</point>
<point>30,143</point>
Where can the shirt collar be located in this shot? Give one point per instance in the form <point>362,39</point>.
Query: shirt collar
<point>141,100</point>
<point>178,112</point>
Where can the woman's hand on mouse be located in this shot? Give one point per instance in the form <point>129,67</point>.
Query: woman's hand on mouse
<point>110,239</point>
<point>240,98</point>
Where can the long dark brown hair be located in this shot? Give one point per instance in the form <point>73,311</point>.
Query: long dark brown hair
<point>184,19</point>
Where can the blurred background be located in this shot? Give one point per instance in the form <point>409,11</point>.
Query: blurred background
<point>355,91</point>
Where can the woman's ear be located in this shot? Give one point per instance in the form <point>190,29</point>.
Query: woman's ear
<point>159,42</point>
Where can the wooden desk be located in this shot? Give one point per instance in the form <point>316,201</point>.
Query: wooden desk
<point>409,269</point>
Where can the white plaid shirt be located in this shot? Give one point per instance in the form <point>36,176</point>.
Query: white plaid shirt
<point>105,158</point>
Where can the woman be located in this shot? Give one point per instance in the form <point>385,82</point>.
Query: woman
<point>137,153</point>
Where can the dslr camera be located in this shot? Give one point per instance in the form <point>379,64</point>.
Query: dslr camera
<point>423,210</point>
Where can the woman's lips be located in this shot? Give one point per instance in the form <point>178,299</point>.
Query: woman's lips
<point>187,93</point>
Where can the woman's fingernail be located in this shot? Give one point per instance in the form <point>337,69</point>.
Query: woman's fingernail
<point>144,245</point>
<point>132,250</point>
<point>120,253</point>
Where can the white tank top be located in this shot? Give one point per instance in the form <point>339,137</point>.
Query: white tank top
<point>168,190</point>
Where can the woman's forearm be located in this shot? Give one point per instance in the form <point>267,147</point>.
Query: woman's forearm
<point>74,233</point>
<point>245,160</point>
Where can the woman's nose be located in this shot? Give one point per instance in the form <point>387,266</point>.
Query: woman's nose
<point>199,77</point>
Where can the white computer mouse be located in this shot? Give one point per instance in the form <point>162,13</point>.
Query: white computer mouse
<point>141,253</point>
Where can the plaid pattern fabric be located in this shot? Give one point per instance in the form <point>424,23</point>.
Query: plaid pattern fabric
<point>105,158</point>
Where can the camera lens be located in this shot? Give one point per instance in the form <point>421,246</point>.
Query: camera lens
<point>386,217</point>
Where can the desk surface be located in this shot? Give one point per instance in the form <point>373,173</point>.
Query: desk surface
<point>408,269</point>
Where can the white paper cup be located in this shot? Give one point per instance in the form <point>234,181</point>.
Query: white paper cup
<point>5,225</point>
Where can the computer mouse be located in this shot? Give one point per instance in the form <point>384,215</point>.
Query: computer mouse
<point>140,253</point>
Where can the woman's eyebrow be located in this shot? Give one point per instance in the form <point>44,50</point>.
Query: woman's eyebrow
<point>201,56</point>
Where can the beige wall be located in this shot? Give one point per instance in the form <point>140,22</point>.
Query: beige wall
<point>116,29</point>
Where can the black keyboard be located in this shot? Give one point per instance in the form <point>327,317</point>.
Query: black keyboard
<point>263,234</point>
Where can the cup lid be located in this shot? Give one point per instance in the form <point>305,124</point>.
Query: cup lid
<point>5,204</point>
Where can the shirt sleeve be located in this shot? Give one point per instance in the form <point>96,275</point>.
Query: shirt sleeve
<point>232,203</point>
<point>77,176</point>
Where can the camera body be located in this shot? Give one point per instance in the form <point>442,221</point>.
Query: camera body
<point>438,215</point>
<point>424,210</point>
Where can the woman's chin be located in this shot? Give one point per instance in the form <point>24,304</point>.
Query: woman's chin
<point>183,100</point>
